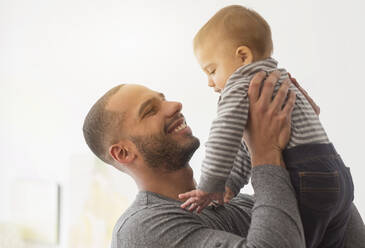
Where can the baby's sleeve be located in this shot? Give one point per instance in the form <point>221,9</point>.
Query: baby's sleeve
<point>241,170</point>
<point>225,138</point>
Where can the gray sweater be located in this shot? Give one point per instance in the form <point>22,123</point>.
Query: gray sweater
<point>269,219</point>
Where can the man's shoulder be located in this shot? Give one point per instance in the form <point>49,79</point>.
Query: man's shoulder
<point>142,224</point>
<point>129,218</point>
<point>142,207</point>
<point>126,230</point>
<point>147,214</point>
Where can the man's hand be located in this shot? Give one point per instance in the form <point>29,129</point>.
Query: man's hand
<point>198,199</point>
<point>315,107</point>
<point>268,126</point>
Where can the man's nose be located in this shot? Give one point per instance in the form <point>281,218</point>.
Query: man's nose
<point>173,108</point>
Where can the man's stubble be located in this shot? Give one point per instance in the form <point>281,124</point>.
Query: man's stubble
<point>163,152</point>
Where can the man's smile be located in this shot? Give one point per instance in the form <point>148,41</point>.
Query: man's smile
<point>178,125</point>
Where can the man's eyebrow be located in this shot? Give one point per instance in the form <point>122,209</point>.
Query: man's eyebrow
<point>148,102</point>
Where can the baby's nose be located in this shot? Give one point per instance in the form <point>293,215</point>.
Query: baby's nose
<point>211,83</point>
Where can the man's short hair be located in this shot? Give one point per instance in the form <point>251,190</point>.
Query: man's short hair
<point>102,127</point>
<point>240,26</point>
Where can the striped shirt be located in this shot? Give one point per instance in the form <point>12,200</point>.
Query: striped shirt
<point>227,161</point>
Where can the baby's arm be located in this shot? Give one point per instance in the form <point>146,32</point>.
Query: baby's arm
<point>225,138</point>
<point>241,171</point>
<point>221,148</point>
<point>239,177</point>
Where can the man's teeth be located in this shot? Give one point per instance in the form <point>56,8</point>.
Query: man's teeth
<point>182,126</point>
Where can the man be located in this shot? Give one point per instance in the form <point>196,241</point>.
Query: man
<point>142,134</point>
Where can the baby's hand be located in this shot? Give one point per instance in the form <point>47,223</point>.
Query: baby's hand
<point>228,195</point>
<point>199,199</point>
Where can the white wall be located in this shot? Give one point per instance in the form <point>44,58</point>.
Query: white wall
<point>58,57</point>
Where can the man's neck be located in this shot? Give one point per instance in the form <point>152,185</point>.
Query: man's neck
<point>169,184</point>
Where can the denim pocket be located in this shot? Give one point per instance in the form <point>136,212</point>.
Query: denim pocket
<point>319,191</point>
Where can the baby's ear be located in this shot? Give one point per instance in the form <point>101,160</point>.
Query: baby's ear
<point>245,54</point>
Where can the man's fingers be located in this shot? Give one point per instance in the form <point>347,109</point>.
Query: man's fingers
<point>255,85</point>
<point>268,87</point>
<point>295,82</point>
<point>289,106</point>
<point>315,107</point>
<point>281,95</point>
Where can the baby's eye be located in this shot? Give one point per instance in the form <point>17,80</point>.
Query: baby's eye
<point>212,72</point>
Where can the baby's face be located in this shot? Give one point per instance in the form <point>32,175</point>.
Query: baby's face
<point>218,62</point>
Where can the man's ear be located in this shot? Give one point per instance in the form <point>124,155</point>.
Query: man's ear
<point>245,54</point>
<point>122,153</point>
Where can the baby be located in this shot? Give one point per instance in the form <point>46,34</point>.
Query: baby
<point>231,47</point>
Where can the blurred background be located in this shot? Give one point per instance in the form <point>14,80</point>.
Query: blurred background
<point>58,57</point>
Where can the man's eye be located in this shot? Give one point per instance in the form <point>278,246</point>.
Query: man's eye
<point>148,112</point>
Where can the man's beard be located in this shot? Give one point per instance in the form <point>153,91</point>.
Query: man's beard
<point>162,152</point>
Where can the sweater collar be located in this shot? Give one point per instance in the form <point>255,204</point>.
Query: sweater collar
<point>253,68</point>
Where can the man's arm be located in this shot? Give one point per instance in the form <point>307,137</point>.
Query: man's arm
<point>269,123</point>
<point>268,132</point>
<point>275,221</point>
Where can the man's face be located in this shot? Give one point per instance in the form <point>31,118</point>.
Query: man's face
<point>218,61</point>
<point>156,126</point>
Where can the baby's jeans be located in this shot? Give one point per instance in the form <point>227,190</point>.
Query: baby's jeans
<point>324,189</point>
